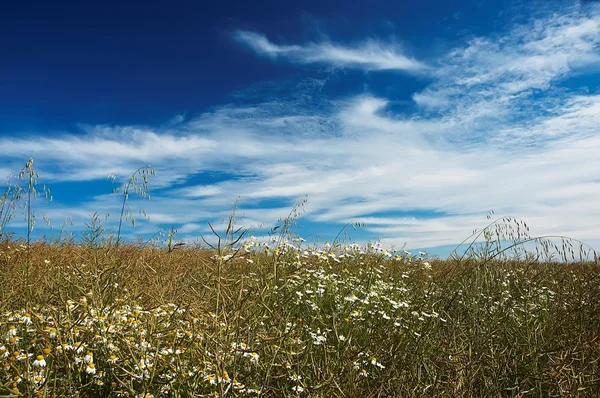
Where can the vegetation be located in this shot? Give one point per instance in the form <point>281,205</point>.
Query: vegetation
<point>251,317</point>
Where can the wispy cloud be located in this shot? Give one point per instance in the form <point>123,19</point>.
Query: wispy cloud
<point>369,54</point>
<point>528,57</point>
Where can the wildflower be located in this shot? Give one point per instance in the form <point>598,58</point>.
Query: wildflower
<point>211,379</point>
<point>237,385</point>
<point>241,346</point>
<point>65,347</point>
<point>39,379</point>
<point>98,379</point>
<point>363,373</point>
<point>112,359</point>
<point>352,298</point>
<point>90,369</point>
<point>297,389</point>
<point>295,377</point>
<point>39,362</point>
<point>253,357</point>
<point>89,357</point>
<point>12,331</point>
<point>375,363</point>
<point>80,347</point>
<point>26,319</point>
<point>226,378</point>
<point>144,363</point>
<point>318,338</point>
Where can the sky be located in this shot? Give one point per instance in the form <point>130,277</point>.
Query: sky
<point>414,118</point>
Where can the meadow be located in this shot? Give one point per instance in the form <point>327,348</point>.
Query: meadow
<point>241,316</point>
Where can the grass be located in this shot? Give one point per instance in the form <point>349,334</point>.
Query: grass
<point>280,318</point>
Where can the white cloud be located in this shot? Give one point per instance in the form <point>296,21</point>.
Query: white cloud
<point>529,56</point>
<point>368,55</point>
<point>191,228</point>
<point>201,190</point>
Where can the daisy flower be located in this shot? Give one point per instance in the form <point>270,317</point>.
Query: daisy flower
<point>39,362</point>
<point>91,368</point>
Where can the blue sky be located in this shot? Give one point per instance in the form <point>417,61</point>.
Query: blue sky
<point>416,118</point>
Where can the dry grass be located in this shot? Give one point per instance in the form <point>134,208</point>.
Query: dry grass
<point>354,323</point>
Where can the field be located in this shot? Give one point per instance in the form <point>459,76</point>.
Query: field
<point>131,321</point>
<point>282,318</point>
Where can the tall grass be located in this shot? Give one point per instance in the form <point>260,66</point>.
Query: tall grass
<point>279,318</point>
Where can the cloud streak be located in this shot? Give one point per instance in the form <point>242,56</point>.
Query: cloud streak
<point>369,55</point>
